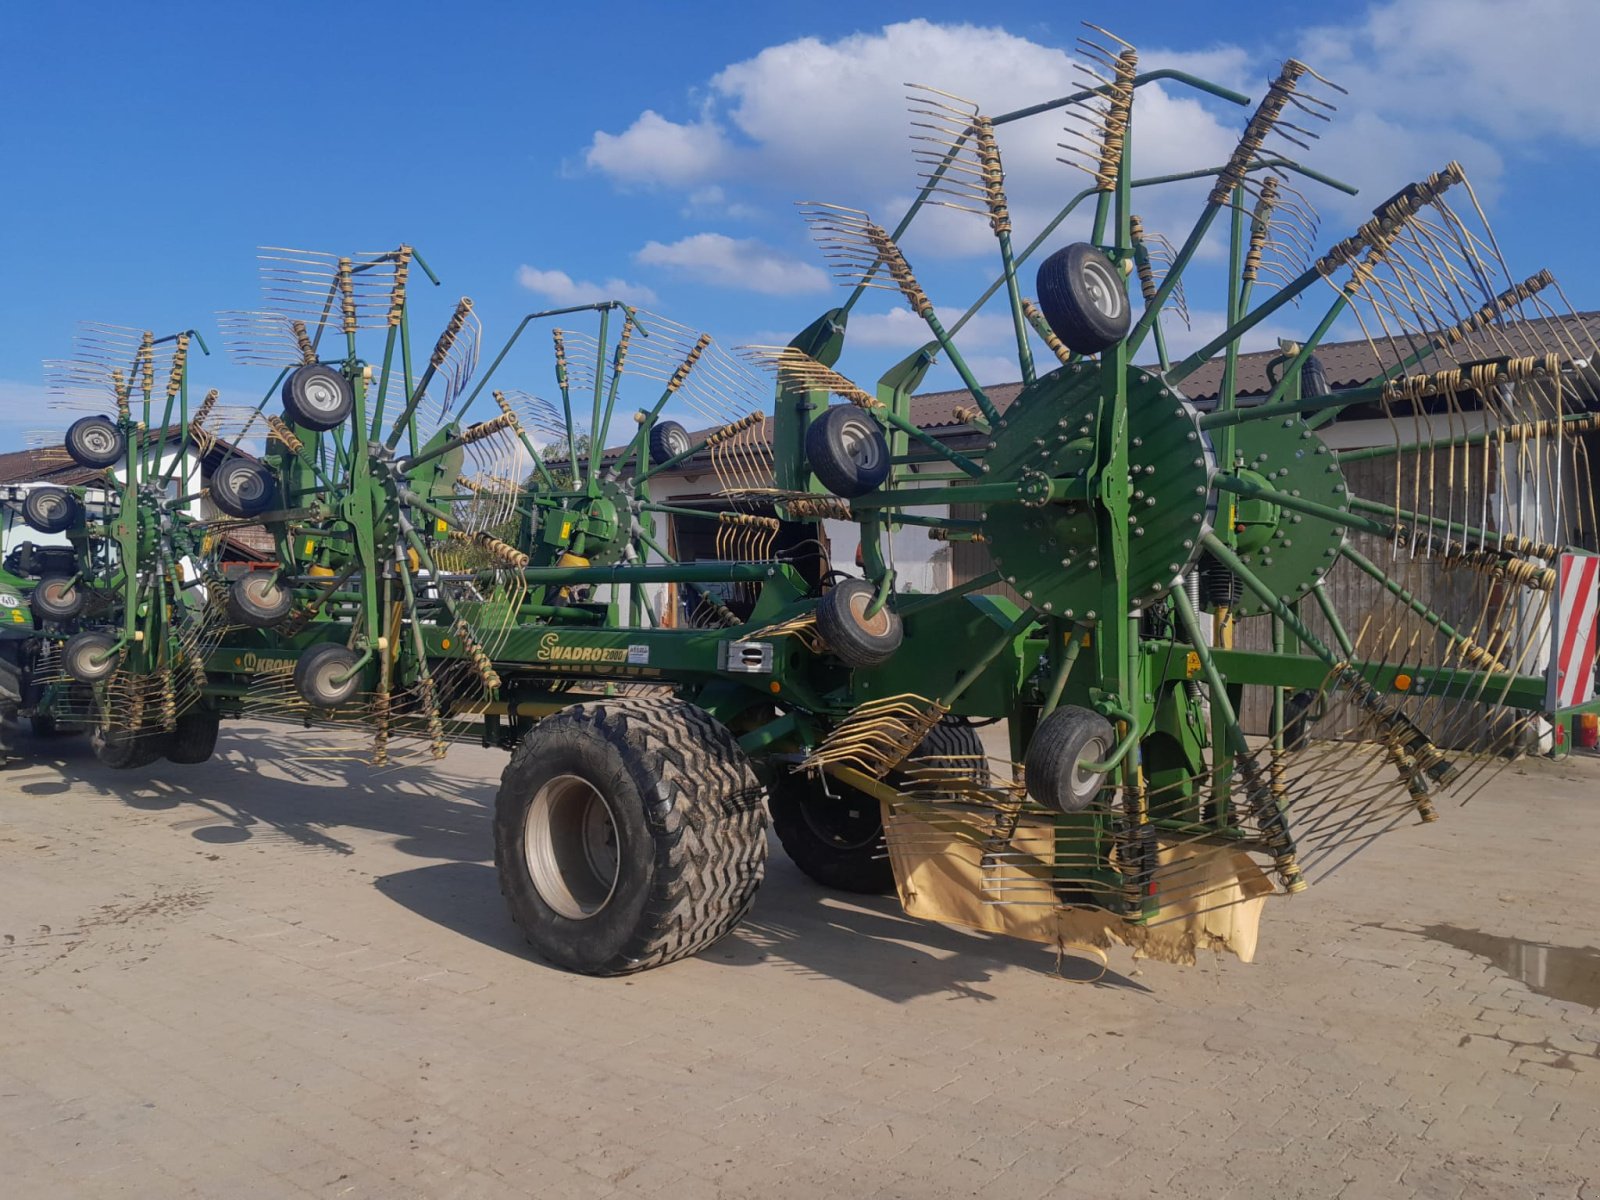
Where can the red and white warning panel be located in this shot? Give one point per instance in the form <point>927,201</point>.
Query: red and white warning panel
<point>1572,632</point>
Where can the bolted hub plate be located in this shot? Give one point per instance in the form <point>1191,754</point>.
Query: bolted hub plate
<point>1288,551</point>
<point>1053,554</point>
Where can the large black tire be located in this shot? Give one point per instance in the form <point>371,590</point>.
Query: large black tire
<point>628,834</point>
<point>242,488</point>
<point>668,439</point>
<point>50,509</point>
<point>258,600</point>
<point>87,656</point>
<point>847,451</point>
<point>194,737</point>
<point>125,750</point>
<point>95,443</point>
<point>1084,298</point>
<point>58,598</point>
<point>1051,767</point>
<point>856,639</point>
<point>319,675</point>
<point>47,725</point>
<point>317,397</point>
<point>837,840</point>
<point>9,732</point>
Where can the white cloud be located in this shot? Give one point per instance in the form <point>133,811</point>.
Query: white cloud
<point>560,288</point>
<point>743,264</point>
<point>829,120</point>
<point>1516,71</point>
<point>654,150</point>
<point>902,329</point>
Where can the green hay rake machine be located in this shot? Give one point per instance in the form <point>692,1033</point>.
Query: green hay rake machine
<point>1230,649</point>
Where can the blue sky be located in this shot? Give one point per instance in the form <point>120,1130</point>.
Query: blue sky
<point>537,154</point>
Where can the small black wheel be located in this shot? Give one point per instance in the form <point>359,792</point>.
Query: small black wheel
<point>847,451</point>
<point>668,439</point>
<point>194,737</point>
<point>1067,737</point>
<point>854,637</point>
<point>628,834</point>
<point>58,598</point>
<point>127,749</point>
<point>95,442</point>
<point>50,509</point>
<point>317,397</point>
<point>258,600</point>
<point>89,657</point>
<point>1314,379</point>
<point>324,676</point>
<point>1084,298</point>
<point>836,839</point>
<point>242,488</point>
<point>834,834</point>
<point>1299,713</point>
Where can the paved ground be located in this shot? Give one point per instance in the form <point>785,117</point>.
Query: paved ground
<point>221,981</point>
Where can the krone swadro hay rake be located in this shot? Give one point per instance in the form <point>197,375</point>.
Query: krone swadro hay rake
<point>1231,647</point>
<point>127,618</point>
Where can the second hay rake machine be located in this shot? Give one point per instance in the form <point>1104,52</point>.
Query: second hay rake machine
<point>1229,653</point>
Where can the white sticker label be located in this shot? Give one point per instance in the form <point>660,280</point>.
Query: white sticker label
<point>10,600</point>
<point>638,656</point>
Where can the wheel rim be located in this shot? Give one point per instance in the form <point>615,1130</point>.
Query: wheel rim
<point>328,682</point>
<point>263,594</point>
<point>1085,785</point>
<point>876,626</point>
<point>860,445</point>
<point>846,824</point>
<point>90,661</point>
<point>569,844</point>
<point>50,507</point>
<point>677,443</point>
<point>1104,288</point>
<point>98,441</point>
<point>247,485</point>
<point>58,596</point>
<point>322,396</point>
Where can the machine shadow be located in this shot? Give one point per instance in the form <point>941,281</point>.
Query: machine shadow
<point>258,786</point>
<point>863,941</point>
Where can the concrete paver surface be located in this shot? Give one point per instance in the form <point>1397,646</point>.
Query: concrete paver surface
<point>271,977</point>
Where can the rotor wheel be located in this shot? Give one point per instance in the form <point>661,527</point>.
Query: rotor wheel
<point>259,600</point>
<point>628,834</point>
<point>88,657</point>
<point>95,443</point>
<point>1084,298</point>
<point>51,509</point>
<point>857,639</point>
<point>317,397</point>
<point>58,598</point>
<point>847,451</point>
<point>668,440</point>
<point>242,488</point>
<point>325,675</point>
<point>1064,740</point>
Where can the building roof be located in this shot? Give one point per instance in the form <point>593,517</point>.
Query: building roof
<point>44,464</point>
<point>1347,365</point>
<point>50,464</point>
